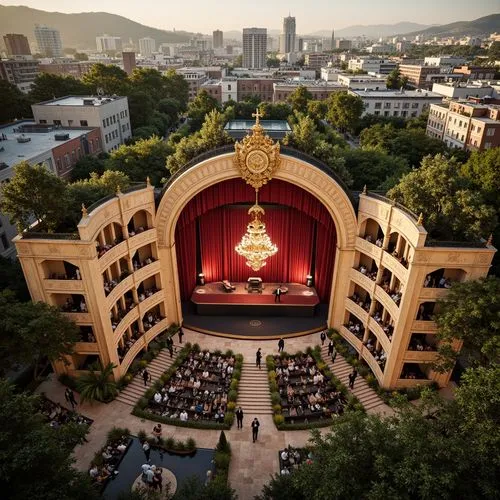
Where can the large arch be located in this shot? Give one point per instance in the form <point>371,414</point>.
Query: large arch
<point>300,172</point>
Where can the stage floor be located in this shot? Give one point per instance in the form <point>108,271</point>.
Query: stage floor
<point>254,327</point>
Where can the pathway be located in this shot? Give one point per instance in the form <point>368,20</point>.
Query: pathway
<point>253,390</point>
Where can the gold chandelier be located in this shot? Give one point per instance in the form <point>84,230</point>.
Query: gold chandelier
<point>256,246</point>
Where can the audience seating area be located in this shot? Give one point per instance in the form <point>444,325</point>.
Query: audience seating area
<point>290,459</point>
<point>57,416</point>
<point>306,393</point>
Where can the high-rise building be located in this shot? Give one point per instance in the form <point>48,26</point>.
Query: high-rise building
<point>218,39</point>
<point>129,62</point>
<point>333,39</point>
<point>287,37</point>
<point>254,47</point>
<point>105,43</point>
<point>146,46</point>
<point>48,41</point>
<point>17,45</point>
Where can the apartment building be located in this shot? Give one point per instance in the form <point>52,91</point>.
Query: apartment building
<point>362,82</point>
<point>475,72</point>
<point>379,66</point>
<point>110,114</point>
<point>319,89</point>
<point>17,45</point>
<point>74,68</point>
<point>316,60</point>
<point>49,41</point>
<point>254,48</point>
<point>20,72</point>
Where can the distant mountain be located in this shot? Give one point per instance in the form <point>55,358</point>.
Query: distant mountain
<point>80,30</point>
<point>482,26</point>
<point>372,30</point>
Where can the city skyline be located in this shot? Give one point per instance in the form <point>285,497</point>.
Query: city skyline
<point>310,18</point>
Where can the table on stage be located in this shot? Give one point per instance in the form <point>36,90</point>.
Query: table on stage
<point>216,299</point>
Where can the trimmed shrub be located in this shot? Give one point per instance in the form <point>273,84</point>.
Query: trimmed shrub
<point>191,444</point>
<point>222,460</point>
<point>223,444</point>
<point>229,418</point>
<point>141,435</point>
<point>277,408</point>
<point>275,398</point>
<point>234,385</point>
<point>231,406</point>
<point>278,419</point>
<point>232,396</point>
<point>169,443</point>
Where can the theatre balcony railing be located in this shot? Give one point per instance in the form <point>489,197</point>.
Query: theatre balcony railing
<point>63,285</point>
<point>113,254</point>
<point>86,348</point>
<point>420,326</point>
<point>141,239</point>
<point>126,321</point>
<point>420,356</point>
<point>391,263</point>
<point>385,299</point>
<point>351,338</point>
<point>434,293</point>
<point>374,366</point>
<point>369,249</point>
<point>151,301</point>
<point>362,280</point>
<point>79,317</point>
<point>403,383</point>
<point>124,286</point>
<point>147,271</point>
<point>358,311</point>
<point>134,350</point>
<point>378,331</point>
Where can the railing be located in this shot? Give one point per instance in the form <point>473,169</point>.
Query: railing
<point>86,348</point>
<point>360,279</point>
<point>32,235</point>
<point>383,198</point>
<point>65,285</point>
<point>455,244</point>
<point>134,186</point>
<point>378,331</point>
<point>420,356</point>
<point>351,338</point>
<point>358,311</point>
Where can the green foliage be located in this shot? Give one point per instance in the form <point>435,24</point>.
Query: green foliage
<point>278,419</point>
<point>278,111</point>
<point>452,209</point>
<point>27,443</point>
<point>15,104</point>
<point>110,78</point>
<point>48,86</point>
<point>395,81</point>
<point>275,398</point>
<point>223,444</point>
<point>344,110</point>
<point>34,191</point>
<point>199,107</point>
<point>96,385</point>
<point>117,433</point>
<point>300,98</point>
<point>144,158</point>
<point>13,278</point>
<point>87,165</point>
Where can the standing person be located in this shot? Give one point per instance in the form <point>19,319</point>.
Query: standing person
<point>145,376</point>
<point>181,334</point>
<point>258,357</point>
<point>157,430</point>
<point>170,346</point>
<point>255,429</point>
<point>146,449</point>
<point>277,294</point>
<point>323,337</point>
<point>334,355</point>
<point>330,348</point>
<point>239,418</point>
<point>281,344</point>
<point>352,378</point>
<point>70,397</point>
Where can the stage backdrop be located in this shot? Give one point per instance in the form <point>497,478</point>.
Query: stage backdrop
<point>296,222</point>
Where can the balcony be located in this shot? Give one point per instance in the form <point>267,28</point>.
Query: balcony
<point>63,285</point>
<point>362,280</point>
<point>378,331</point>
<point>420,326</point>
<point>122,287</point>
<point>126,321</point>
<point>113,254</point>
<point>420,356</point>
<point>434,293</point>
<point>86,348</point>
<point>358,311</point>
<point>79,317</point>
<point>351,338</point>
<point>375,368</point>
<point>403,383</point>
<point>393,264</point>
<point>150,302</point>
<point>141,239</point>
<point>147,271</point>
<point>368,248</point>
<point>134,350</point>
<point>156,330</point>
<point>385,299</point>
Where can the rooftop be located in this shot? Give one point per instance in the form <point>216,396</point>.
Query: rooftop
<point>36,143</point>
<point>77,100</point>
<point>309,83</point>
<point>276,129</point>
<point>397,93</point>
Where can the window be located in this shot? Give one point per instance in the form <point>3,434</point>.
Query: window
<point>395,113</point>
<point>406,105</point>
<point>386,113</point>
<point>378,105</point>
<point>104,124</point>
<point>229,87</point>
<point>42,121</point>
<point>107,122</point>
<point>377,113</point>
<point>490,132</point>
<point>67,162</point>
<point>97,143</point>
<point>414,105</point>
<point>106,137</point>
<point>84,123</point>
<point>487,145</point>
<point>114,119</point>
<point>397,105</point>
<point>70,123</point>
<point>387,105</point>
<point>91,146</point>
<point>79,153</point>
<point>73,156</point>
<point>58,164</point>
<point>404,114</point>
<point>57,122</point>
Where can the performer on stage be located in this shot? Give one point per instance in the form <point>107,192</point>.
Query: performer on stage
<point>277,294</point>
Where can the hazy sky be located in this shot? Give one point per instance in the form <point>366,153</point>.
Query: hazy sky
<point>207,15</point>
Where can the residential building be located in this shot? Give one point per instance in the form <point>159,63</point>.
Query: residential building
<point>465,125</point>
<point>75,68</point>
<point>422,77</point>
<point>287,37</point>
<point>217,39</point>
<point>55,147</point>
<point>376,65</point>
<point>110,114</point>
<point>319,89</point>
<point>254,48</point>
<point>403,46</point>
<point>195,79</point>
<point>361,82</point>
<point>476,72</point>
<point>444,61</point>
<point>405,104</point>
<point>108,43</point>
<point>261,87</point>
<point>129,63</point>
<point>19,72</point>
<point>330,74</point>
<point>17,45</point>
<point>316,60</point>
<point>213,88</point>
<point>341,44</point>
<point>147,46</point>
<point>48,41</point>
<point>463,90</point>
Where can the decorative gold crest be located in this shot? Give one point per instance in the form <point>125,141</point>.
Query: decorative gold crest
<point>257,156</point>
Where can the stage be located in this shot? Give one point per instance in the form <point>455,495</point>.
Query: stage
<point>212,300</point>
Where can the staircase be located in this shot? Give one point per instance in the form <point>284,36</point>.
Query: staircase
<point>341,369</point>
<point>253,391</point>
<point>136,388</point>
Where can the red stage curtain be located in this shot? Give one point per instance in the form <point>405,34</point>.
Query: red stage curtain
<point>185,245</point>
<point>326,241</point>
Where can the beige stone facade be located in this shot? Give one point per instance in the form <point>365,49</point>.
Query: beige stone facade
<point>130,239</point>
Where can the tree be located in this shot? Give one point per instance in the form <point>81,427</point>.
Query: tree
<point>146,157</point>
<point>34,194</point>
<point>177,88</point>
<point>15,105</point>
<point>451,209</point>
<point>299,98</point>
<point>344,110</point>
<point>199,107</point>
<point>13,278</point>
<point>395,81</point>
<point>193,489</point>
<point>48,86</point>
<point>86,165</point>
<point>278,111</point>
<point>470,313</point>
<point>317,109</point>
<point>150,81</point>
<point>110,78</point>
<point>170,107</point>
<point>33,462</point>
<point>35,332</point>
<point>96,385</point>
<point>80,56</point>
<point>141,107</point>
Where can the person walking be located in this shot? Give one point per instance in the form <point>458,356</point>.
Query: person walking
<point>352,378</point>
<point>157,430</point>
<point>258,357</point>
<point>181,334</point>
<point>70,397</point>
<point>334,355</point>
<point>145,376</point>
<point>323,337</point>
<point>170,346</point>
<point>239,418</point>
<point>281,344</point>
<point>255,429</point>
<point>330,348</point>
<point>146,449</point>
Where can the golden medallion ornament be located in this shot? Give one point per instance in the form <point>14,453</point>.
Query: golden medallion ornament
<point>257,156</point>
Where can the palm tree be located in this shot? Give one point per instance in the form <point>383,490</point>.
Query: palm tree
<point>97,384</point>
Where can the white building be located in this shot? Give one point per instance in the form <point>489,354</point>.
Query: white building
<point>372,65</point>
<point>330,74</point>
<point>229,89</point>
<point>406,103</point>
<point>361,82</point>
<point>147,46</point>
<point>254,48</point>
<point>48,41</point>
<point>109,113</point>
<point>106,43</point>
<point>444,61</point>
<point>462,90</point>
